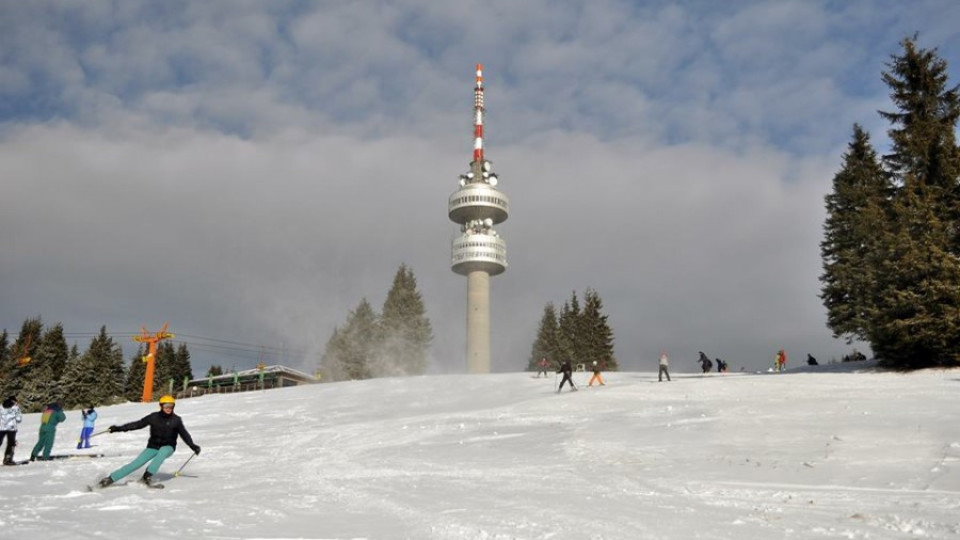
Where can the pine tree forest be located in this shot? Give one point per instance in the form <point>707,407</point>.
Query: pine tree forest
<point>394,342</point>
<point>575,334</point>
<point>891,245</point>
<point>39,367</point>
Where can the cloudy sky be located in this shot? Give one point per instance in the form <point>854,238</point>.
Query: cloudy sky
<point>249,171</point>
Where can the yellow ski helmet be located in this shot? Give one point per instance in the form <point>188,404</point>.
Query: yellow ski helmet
<point>168,399</point>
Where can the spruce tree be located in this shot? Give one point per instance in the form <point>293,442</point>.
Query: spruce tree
<point>545,345</point>
<point>80,380</point>
<point>405,331</point>
<point>597,335</point>
<point>21,366</point>
<point>331,363</point>
<point>45,369</point>
<point>856,213</point>
<point>165,369</point>
<point>918,279</point>
<point>568,326</point>
<point>183,371</point>
<point>351,348</point>
<point>136,372</point>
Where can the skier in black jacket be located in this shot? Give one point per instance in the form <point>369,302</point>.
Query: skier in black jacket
<point>165,426</point>
<point>567,376</point>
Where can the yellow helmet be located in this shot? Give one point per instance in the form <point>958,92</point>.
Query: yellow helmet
<point>168,399</point>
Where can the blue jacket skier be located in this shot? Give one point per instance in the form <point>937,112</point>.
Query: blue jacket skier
<point>89,418</point>
<point>165,427</point>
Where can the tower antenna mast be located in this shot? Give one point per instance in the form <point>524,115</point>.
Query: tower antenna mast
<point>478,252</point>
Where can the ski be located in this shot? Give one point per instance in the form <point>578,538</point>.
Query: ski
<point>15,463</point>
<point>97,487</point>
<point>72,456</point>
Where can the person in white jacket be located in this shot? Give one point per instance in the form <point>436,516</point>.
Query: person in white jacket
<point>10,418</point>
<point>664,367</point>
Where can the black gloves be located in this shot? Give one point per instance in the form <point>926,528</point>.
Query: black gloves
<point>196,449</point>
<point>113,429</point>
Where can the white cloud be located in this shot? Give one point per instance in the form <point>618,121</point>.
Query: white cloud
<point>257,170</point>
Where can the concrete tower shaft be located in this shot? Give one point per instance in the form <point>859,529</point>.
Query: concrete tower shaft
<point>478,252</point>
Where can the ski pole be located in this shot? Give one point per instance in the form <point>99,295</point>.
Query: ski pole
<point>184,465</point>
<point>80,439</point>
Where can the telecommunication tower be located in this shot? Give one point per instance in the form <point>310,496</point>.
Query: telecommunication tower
<point>478,252</point>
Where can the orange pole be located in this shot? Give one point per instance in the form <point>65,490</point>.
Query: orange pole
<point>151,357</point>
<point>148,376</point>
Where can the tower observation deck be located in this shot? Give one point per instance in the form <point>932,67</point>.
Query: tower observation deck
<point>478,252</point>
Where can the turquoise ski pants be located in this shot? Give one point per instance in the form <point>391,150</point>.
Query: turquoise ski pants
<point>156,457</point>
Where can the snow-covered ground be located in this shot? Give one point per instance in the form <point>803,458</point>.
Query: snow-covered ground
<point>805,454</point>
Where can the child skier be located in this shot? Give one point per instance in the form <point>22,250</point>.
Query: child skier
<point>89,418</point>
<point>165,426</point>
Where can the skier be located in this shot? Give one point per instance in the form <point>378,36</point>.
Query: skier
<point>165,426</point>
<point>543,363</point>
<point>10,418</point>
<point>567,376</point>
<point>664,367</point>
<point>705,363</point>
<point>89,418</point>
<point>51,416</point>
<point>811,361</point>
<point>781,360</point>
<point>596,374</point>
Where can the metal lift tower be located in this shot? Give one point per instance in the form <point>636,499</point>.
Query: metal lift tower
<point>479,252</point>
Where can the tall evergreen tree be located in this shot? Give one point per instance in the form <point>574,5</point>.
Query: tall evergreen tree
<point>546,345</point>
<point>136,372</point>
<point>856,212</point>
<point>21,366</point>
<point>568,330</point>
<point>350,350</point>
<point>97,376</point>
<point>46,368</point>
<point>918,281</point>
<point>183,368</point>
<point>331,363</point>
<point>597,336</point>
<point>165,376</point>
<point>892,272</point>
<point>405,330</point>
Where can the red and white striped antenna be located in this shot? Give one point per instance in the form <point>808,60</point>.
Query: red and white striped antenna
<point>478,116</point>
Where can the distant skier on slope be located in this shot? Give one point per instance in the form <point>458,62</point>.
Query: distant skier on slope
<point>165,426</point>
<point>542,367</point>
<point>597,369</point>
<point>705,363</point>
<point>664,367</point>
<point>567,371</point>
